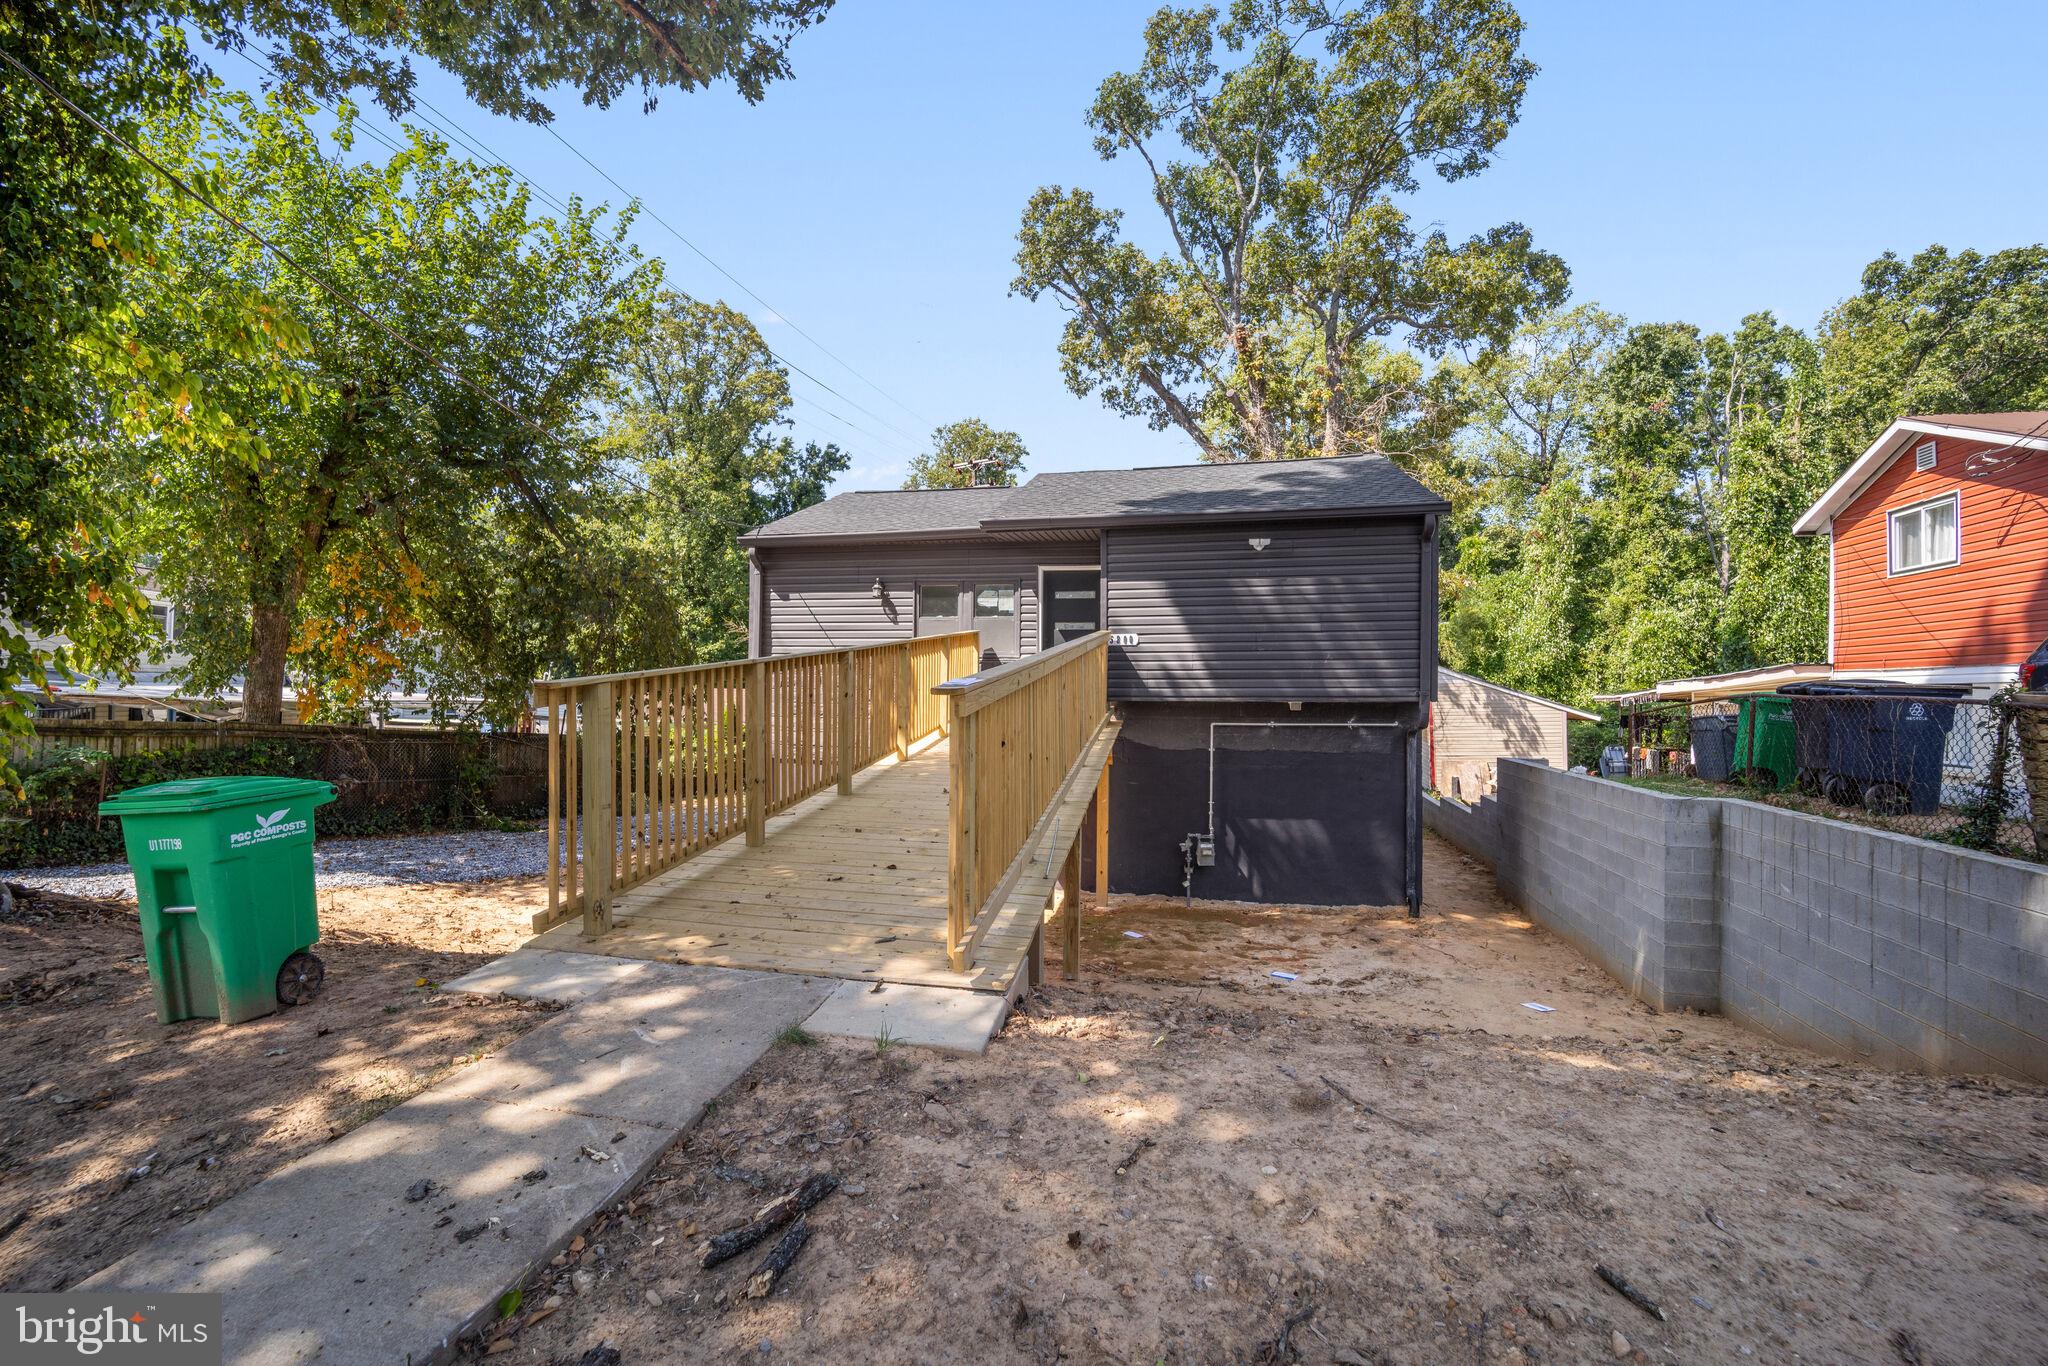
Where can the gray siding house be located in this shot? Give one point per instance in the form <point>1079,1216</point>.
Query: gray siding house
<point>1273,648</point>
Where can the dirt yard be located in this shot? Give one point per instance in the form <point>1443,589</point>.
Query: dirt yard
<point>1389,1159</point>
<point>114,1128</point>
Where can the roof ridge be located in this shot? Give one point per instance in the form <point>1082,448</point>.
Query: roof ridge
<point>973,488</point>
<point>1222,464</point>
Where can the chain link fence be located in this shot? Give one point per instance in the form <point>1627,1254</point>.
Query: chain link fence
<point>1921,761</point>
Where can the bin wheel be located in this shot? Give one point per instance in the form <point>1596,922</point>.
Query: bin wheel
<point>298,981</point>
<point>1812,781</point>
<point>1841,791</point>
<point>1886,799</point>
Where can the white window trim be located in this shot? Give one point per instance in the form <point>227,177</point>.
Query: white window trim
<point>1891,517</point>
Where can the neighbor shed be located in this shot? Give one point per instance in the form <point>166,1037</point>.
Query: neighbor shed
<point>1475,724</point>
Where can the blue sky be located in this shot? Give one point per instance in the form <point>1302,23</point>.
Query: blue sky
<point>1688,162</point>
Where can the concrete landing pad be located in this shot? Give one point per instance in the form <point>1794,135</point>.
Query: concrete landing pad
<point>546,975</point>
<point>935,1017</point>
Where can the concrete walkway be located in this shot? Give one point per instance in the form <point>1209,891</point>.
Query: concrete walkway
<point>328,1260</point>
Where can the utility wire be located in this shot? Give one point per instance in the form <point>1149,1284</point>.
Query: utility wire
<point>742,285</point>
<point>461,137</point>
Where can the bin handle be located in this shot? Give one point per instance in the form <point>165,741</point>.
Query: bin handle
<point>181,910</point>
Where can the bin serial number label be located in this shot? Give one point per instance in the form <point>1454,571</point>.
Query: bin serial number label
<point>158,846</point>
<point>271,827</point>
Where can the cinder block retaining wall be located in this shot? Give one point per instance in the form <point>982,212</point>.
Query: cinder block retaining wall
<point>1821,933</point>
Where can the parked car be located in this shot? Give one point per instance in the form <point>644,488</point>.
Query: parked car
<point>2034,672</point>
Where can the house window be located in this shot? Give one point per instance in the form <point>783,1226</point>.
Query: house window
<point>1924,536</point>
<point>938,600</point>
<point>166,621</point>
<point>995,600</point>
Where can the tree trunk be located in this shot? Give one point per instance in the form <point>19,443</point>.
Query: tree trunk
<point>270,636</point>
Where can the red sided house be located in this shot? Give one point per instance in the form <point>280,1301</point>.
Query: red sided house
<point>1938,550</point>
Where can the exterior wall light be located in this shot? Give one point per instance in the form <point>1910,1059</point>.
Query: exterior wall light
<point>878,590</point>
<point>1261,542</point>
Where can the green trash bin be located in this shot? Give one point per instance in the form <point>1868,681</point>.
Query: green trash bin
<point>1765,755</point>
<point>224,877</point>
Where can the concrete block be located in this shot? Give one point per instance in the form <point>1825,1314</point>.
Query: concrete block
<point>2001,962</point>
<point>1843,967</point>
<point>1982,994</point>
<point>1855,1004</point>
<point>1847,938</point>
<point>2031,1014</point>
<point>1893,925</point>
<point>2007,1046</point>
<point>1990,878</point>
<point>2034,971</point>
<point>1908,963</point>
<point>1923,1004</point>
<point>934,1017</point>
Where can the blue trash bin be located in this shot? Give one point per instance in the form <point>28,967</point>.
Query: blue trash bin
<point>1883,744</point>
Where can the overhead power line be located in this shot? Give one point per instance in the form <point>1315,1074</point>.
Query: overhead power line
<point>749,292</point>
<point>461,137</point>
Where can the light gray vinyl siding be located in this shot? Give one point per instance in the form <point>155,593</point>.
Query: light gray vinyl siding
<point>1328,611</point>
<point>819,598</point>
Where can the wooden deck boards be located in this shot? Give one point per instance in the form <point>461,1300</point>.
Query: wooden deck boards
<point>851,886</point>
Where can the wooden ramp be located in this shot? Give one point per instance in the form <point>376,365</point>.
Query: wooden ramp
<point>843,886</point>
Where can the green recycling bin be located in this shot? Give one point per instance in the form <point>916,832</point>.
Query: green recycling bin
<point>224,877</point>
<point>1764,743</point>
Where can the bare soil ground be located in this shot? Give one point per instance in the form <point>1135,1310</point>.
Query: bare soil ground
<point>114,1128</point>
<point>1390,1154</point>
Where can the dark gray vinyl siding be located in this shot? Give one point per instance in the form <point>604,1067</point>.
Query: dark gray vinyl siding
<point>822,597</point>
<point>1329,611</point>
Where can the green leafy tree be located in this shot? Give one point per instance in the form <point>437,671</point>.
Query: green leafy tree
<point>969,453</point>
<point>82,211</point>
<point>1285,219</point>
<point>75,217</point>
<point>1522,553</point>
<point>1943,332</point>
<point>455,348</point>
<point>701,414</point>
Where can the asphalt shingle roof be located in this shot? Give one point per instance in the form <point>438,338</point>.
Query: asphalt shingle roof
<point>1277,488</point>
<point>895,512</point>
<point>1252,489</point>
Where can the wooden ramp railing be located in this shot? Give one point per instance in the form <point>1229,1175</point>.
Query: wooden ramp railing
<point>648,769</point>
<point>1030,753</point>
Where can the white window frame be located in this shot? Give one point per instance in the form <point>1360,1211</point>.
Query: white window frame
<point>1891,537</point>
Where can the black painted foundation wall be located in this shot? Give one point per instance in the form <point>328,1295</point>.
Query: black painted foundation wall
<point>1305,815</point>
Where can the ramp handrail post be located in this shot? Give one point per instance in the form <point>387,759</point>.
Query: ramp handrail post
<point>846,669</point>
<point>960,906</point>
<point>757,750</point>
<point>600,805</point>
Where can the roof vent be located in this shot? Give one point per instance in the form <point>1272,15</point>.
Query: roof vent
<point>1923,456</point>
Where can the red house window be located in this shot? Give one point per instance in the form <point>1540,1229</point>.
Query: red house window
<point>1924,536</point>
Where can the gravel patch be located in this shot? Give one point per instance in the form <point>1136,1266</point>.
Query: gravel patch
<point>393,861</point>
